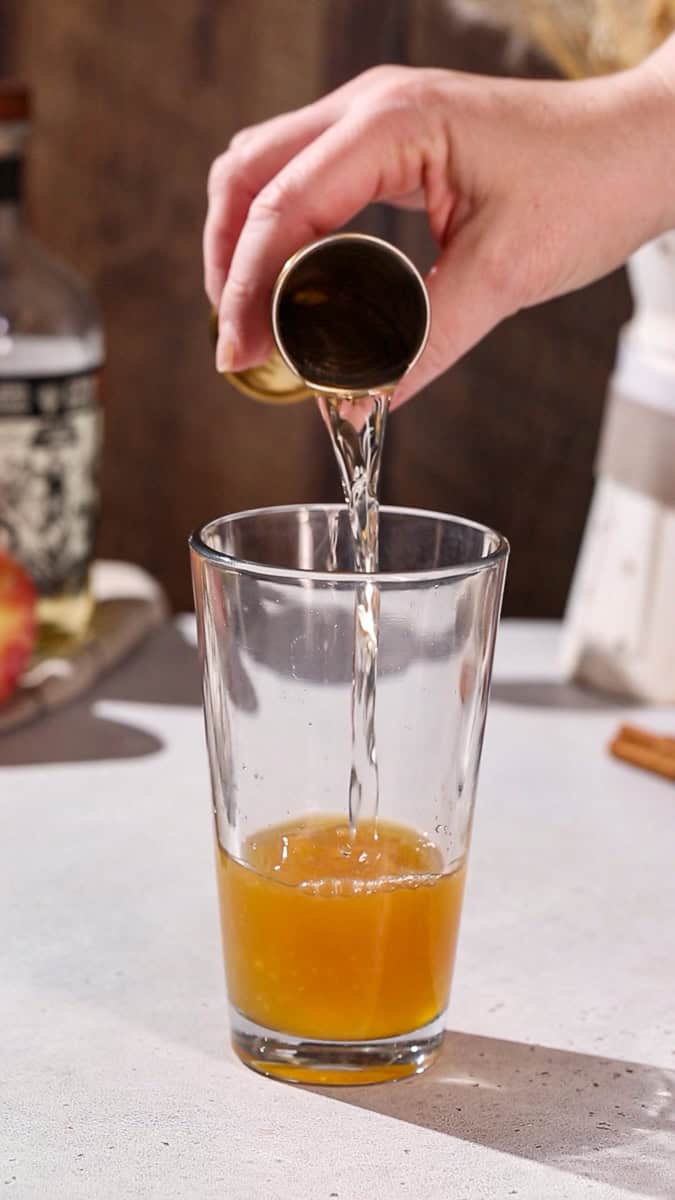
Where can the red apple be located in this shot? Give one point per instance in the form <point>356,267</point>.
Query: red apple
<point>18,603</point>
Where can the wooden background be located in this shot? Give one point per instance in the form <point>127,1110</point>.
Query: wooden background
<point>133,102</point>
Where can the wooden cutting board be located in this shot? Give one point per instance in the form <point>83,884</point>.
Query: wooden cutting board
<point>129,604</point>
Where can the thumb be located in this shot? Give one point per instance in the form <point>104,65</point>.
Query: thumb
<point>470,290</point>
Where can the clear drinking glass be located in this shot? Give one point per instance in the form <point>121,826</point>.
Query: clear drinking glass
<point>339,942</point>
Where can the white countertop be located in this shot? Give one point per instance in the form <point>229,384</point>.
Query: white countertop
<point>116,1078</point>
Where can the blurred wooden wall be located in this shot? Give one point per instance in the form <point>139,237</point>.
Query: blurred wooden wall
<point>133,102</point>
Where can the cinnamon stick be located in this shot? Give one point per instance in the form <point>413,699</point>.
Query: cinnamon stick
<point>650,751</point>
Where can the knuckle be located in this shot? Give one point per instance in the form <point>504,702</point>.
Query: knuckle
<point>271,204</point>
<point>219,172</point>
<point>242,138</point>
<point>381,73</point>
<point>400,86</point>
<point>240,291</point>
<point>232,164</point>
<point>244,151</point>
<point>409,92</point>
<point>216,173</point>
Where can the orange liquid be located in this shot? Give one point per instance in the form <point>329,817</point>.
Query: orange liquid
<point>339,938</point>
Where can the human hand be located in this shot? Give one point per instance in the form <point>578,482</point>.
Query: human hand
<point>532,189</point>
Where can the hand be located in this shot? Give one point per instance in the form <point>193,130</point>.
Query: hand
<point>532,189</point>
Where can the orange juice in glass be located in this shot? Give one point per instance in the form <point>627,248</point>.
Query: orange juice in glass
<point>339,937</point>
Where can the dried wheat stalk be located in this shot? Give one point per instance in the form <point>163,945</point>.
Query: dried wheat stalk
<point>583,37</point>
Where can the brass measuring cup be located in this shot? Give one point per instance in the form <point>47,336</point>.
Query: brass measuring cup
<point>350,317</point>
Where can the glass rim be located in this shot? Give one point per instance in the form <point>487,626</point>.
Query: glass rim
<point>245,566</point>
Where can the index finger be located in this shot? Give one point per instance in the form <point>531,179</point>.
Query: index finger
<point>238,175</point>
<point>254,157</point>
<point>356,161</point>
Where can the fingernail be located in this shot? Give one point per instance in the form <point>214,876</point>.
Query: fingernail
<point>226,350</point>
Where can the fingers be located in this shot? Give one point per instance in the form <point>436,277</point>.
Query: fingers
<point>472,288</point>
<point>255,156</point>
<point>238,175</point>
<point>359,159</point>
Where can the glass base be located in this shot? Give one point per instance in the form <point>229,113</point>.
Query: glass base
<point>348,1064</point>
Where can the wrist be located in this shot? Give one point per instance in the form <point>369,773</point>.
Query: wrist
<point>651,88</point>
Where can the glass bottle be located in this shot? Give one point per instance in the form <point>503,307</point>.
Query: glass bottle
<point>51,355</point>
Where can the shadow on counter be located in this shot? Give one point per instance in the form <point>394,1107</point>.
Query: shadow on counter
<point>551,693</point>
<point>601,1119</point>
<point>164,670</point>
